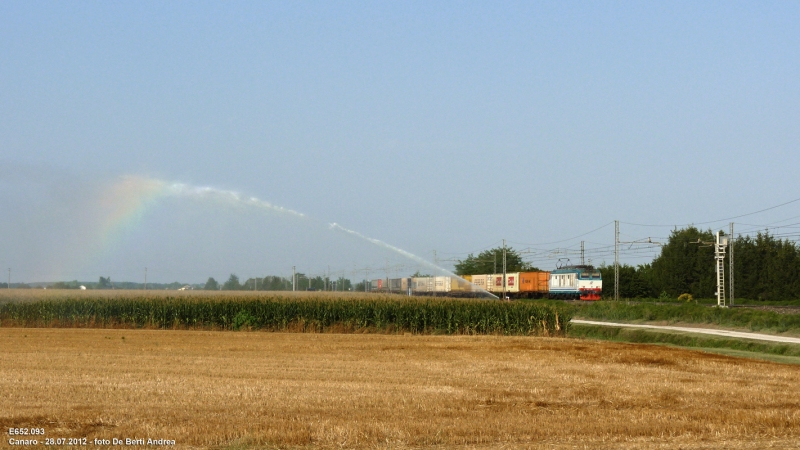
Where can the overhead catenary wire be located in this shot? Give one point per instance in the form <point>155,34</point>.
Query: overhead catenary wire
<point>715,221</point>
<point>565,240</point>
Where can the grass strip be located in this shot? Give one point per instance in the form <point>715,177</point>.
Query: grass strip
<point>750,319</point>
<point>745,347</point>
<point>713,301</point>
<point>302,314</point>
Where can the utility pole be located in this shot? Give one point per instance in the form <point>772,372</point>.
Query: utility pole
<point>504,269</point>
<point>719,255</point>
<point>433,275</point>
<point>616,260</point>
<point>294,279</point>
<point>719,244</point>
<point>145,278</point>
<point>730,261</point>
<point>386,269</point>
<point>9,278</point>
<point>582,259</point>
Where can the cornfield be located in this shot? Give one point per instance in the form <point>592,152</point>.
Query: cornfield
<point>308,312</point>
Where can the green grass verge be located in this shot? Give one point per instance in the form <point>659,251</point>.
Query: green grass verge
<point>749,319</point>
<point>787,353</point>
<point>713,301</point>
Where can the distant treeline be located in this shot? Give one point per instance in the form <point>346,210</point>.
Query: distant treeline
<point>267,283</point>
<point>104,283</point>
<point>276,283</point>
<point>765,268</point>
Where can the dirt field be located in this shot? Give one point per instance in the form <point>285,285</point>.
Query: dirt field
<point>256,389</point>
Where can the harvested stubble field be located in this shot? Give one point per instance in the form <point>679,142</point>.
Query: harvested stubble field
<point>295,390</point>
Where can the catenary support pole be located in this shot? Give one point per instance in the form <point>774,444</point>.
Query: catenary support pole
<point>730,261</point>
<point>582,253</point>
<point>616,260</point>
<point>504,269</point>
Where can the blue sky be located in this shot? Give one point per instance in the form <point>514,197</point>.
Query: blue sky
<point>442,126</point>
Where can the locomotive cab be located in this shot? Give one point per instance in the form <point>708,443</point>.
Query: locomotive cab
<point>576,282</point>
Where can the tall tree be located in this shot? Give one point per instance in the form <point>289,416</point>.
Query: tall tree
<point>684,265</point>
<point>232,284</point>
<point>104,283</point>
<point>275,283</point>
<point>634,282</point>
<point>211,284</point>
<point>767,268</point>
<point>491,261</point>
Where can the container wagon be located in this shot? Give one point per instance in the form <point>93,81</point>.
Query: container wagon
<point>533,284</point>
<point>434,286</point>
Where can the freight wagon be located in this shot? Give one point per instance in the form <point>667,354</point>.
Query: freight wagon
<point>569,282</point>
<point>435,286</point>
<point>518,284</point>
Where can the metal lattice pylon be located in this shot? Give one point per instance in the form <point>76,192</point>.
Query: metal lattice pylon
<point>719,254</point>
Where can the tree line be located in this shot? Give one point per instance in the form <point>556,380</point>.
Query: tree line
<point>765,268</point>
<point>276,283</point>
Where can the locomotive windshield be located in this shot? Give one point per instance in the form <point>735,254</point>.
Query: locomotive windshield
<point>595,275</point>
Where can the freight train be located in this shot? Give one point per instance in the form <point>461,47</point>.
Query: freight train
<point>569,282</point>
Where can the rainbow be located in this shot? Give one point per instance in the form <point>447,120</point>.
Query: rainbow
<point>124,203</point>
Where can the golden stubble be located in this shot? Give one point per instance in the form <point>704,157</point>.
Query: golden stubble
<point>253,389</point>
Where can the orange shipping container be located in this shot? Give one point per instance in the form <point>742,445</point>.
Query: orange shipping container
<point>533,281</point>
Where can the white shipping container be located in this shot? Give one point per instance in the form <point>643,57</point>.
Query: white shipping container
<point>480,281</point>
<point>422,284</point>
<point>495,282</point>
<point>398,284</point>
<point>442,284</point>
<point>459,284</point>
<point>512,282</point>
<point>377,285</point>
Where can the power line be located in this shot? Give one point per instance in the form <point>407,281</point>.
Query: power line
<point>565,240</point>
<point>714,221</point>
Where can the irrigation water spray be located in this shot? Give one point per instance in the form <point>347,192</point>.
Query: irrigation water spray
<point>409,255</point>
<point>232,197</point>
